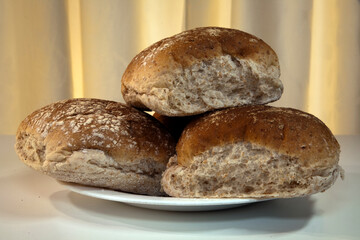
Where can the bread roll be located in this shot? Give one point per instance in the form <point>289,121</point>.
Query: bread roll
<point>201,70</point>
<point>98,143</point>
<point>253,152</point>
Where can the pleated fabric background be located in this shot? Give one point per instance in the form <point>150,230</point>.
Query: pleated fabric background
<point>56,49</point>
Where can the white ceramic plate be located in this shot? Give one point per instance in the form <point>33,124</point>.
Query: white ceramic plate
<point>160,203</point>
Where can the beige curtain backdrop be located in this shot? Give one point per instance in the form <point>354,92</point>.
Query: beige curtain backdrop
<point>52,50</point>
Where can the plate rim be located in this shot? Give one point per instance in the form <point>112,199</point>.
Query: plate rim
<point>131,198</point>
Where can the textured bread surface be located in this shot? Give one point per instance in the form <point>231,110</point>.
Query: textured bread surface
<point>98,143</point>
<point>253,152</point>
<point>200,70</point>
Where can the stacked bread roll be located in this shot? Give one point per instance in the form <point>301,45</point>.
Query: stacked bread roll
<point>211,135</point>
<point>98,143</point>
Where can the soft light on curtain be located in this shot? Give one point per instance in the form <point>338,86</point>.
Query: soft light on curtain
<point>51,50</point>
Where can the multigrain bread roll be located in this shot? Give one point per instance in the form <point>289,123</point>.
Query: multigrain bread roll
<point>253,152</point>
<point>98,143</point>
<point>201,70</point>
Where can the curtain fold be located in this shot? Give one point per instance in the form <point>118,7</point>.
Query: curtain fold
<point>114,32</point>
<point>34,58</point>
<point>52,50</point>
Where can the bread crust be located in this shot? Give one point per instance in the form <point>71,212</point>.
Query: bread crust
<point>150,78</point>
<point>283,130</point>
<point>130,142</point>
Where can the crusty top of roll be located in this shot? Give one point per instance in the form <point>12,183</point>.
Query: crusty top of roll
<point>158,68</point>
<point>287,131</point>
<point>122,132</point>
<point>200,43</point>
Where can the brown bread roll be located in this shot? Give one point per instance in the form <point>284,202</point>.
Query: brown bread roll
<point>200,70</point>
<point>253,152</point>
<point>98,143</point>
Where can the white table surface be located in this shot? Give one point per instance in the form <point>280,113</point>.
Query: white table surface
<point>34,206</point>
